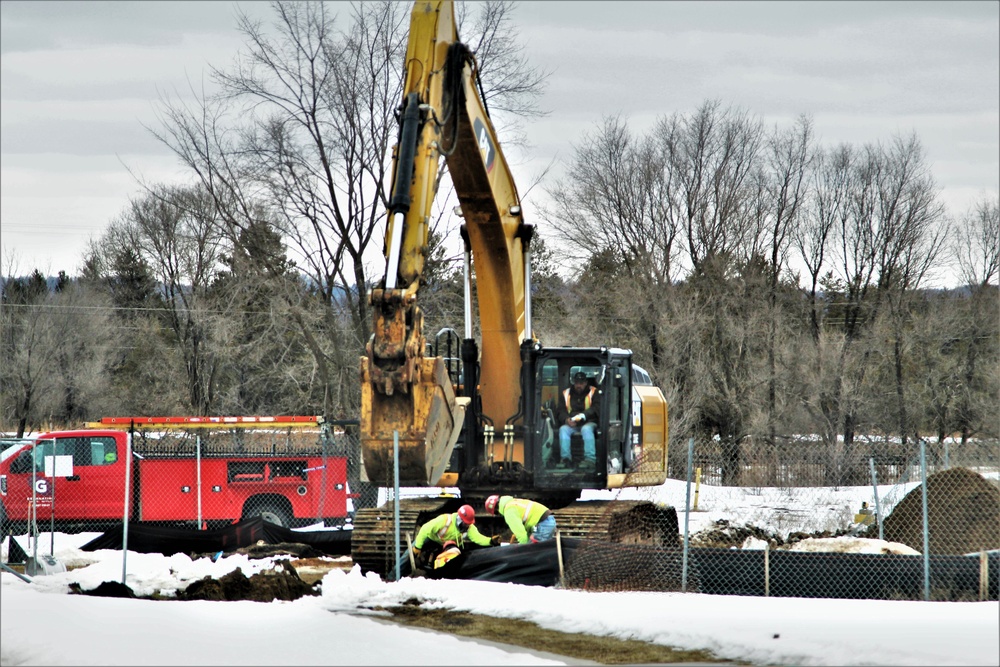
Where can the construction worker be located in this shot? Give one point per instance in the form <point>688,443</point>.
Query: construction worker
<point>449,551</point>
<point>527,519</point>
<point>454,527</point>
<point>578,412</point>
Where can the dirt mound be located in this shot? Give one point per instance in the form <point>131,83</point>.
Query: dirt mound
<point>724,535</point>
<point>107,589</point>
<point>963,515</point>
<point>282,583</point>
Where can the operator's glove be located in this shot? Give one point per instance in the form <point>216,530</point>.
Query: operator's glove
<point>495,541</point>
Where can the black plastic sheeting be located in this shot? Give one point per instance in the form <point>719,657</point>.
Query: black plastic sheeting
<point>603,566</point>
<point>148,539</point>
<point>595,565</point>
<point>532,564</point>
<point>842,575</point>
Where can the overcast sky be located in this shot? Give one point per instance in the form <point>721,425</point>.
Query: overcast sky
<point>79,80</point>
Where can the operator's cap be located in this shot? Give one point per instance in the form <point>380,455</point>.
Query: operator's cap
<point>579,376</point>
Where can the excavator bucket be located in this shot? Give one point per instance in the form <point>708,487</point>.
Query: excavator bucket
<point>428,420</point>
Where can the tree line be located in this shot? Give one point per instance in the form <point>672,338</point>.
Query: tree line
<point>772,286</point>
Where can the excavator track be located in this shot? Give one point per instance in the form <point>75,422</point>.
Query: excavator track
<point>626,521</point>
<point>619,521</point>
<point>374,535</point>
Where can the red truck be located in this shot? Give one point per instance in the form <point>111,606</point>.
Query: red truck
<point>177,481</point>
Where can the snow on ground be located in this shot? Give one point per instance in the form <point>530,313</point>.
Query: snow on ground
<point>40,624</point>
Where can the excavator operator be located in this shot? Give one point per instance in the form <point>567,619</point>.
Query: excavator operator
<point>578,413</point>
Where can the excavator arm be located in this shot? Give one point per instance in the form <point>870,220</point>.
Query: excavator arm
<point>408,400</point>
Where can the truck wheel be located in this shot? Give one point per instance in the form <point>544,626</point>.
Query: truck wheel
<point>269,511</point>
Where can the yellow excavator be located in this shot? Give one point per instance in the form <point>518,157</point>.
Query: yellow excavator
<point>481,417</point>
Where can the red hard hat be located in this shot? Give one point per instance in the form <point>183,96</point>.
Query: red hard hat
<point>491,504</point>
<point>467,514</point>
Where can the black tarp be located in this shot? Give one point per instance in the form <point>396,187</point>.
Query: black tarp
<point>595,565</point>
<point>532,564</point>
<point>842,575</point>
<point>150,539</point>
<point>590,564</point>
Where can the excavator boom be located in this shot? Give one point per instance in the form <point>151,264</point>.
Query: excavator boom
<point>408,400</point>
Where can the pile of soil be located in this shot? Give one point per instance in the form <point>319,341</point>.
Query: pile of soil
<point>724,535</point>
<point>963,515</point>
<point>283,583</point>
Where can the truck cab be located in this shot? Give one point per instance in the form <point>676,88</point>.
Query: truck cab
<point>58,472</point>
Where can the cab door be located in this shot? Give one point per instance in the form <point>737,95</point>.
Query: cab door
<point>96,487</point>
<point>617,416</point>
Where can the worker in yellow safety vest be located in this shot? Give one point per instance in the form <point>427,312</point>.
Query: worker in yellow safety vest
<point>578,413</point>
<point>527,519</point>
<point>449,527</point>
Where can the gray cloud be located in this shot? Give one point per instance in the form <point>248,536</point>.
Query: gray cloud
<point>34,26</point>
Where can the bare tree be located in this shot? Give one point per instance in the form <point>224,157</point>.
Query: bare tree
<point>56,348</point>
<point>616,204</point>
<point>300,135</point>
<point>175,232</point>
<point>878,208</point>
<point>27,372</point>
<point>976,245</point>
<point>713,155</point>
<point>787,160</point>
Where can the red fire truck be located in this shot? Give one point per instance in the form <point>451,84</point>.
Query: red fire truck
<point>198,471</point>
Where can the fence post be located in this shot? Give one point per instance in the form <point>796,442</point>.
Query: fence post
<point>767,569</point>
<point>562,572</point>
<point>395,491</point>
<point>878,509</point>
<point>984,575</point>
<point>34,501</point>
<point>128,495</point>
<point>687,517</point>
<point>697,485</point>
<point>197,465</point>
<point>923,496</point>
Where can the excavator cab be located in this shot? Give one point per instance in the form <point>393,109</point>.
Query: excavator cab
<point>629,438</point>
<point>608,372</point>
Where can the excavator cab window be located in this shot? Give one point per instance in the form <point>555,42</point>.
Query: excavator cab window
<point>554,376</point>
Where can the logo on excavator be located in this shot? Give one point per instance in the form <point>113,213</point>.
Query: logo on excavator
<point>485,145</point>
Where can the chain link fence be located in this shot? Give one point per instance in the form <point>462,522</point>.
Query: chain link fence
<point>200,478</point>
<point>887,521</point>
<point>916,521</point>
